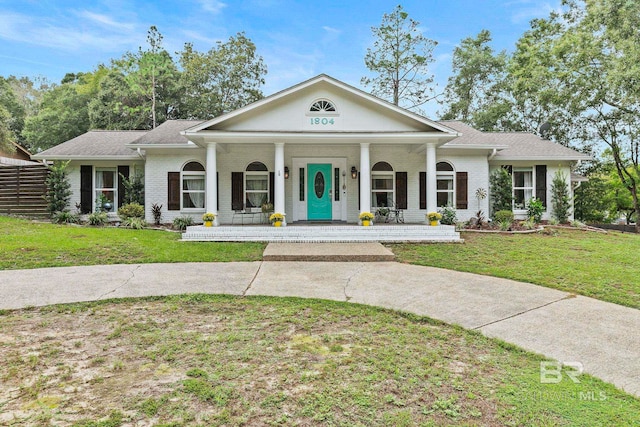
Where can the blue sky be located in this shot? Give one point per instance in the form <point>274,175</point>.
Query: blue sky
<point>297,39</point>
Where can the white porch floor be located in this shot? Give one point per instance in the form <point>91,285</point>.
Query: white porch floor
<point>295,233</point>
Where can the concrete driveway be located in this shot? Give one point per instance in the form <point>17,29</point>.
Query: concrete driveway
<point>603,337</point>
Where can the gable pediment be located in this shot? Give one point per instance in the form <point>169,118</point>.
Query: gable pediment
<point>301,109</point>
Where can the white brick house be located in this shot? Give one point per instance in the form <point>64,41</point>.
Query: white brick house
<point>321,150</point>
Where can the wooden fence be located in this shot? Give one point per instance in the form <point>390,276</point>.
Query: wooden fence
<point>22,190</point>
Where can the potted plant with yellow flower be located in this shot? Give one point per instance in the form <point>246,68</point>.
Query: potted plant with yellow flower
<point>366,218</point>
<point>434,218</point>
<point>276,219</point>
<point>208,219</point>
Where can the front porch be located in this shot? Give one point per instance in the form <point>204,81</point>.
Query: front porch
<point>334,233</point>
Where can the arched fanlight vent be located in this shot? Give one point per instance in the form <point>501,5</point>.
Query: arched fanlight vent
<point>322,106</point>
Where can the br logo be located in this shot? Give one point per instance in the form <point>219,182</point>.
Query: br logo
<point>551,372</point>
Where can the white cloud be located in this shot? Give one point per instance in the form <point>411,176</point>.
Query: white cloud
<point>105,21</point>
<point>526,10</point>
<point>67,35</point>
<point>331,30</point>
<point>212,6</point>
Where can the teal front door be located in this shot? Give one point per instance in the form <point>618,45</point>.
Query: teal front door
<point>319,191</point>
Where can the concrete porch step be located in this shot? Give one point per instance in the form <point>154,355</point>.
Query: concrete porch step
<point>328,252</point>
<point>332,233</point>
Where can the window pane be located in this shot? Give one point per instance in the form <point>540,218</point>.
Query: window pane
<point>105,179</point>
<point>380,199</point>
<point>193,200</point>
<point>256,200</point>
<point>257,182</point>
<point>445,183</point>
<point>445,199</point>
<point>382,182</point>
<point>522,179</point>
<point>193,183</point>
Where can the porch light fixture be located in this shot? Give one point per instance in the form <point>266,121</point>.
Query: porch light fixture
<point>286,172</point>
<point>354,172</point>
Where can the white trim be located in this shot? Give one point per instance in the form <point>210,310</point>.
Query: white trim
<point>322,78</point>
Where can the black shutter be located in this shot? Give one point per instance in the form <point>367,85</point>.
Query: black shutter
<point>423,190</point>
<point>218,190</point>
<point>86,188</point>
<point>122,170</point>
<point>173,191</point>
<point>462,190</point>
<point>401,190</point>
<point>541,184</point>
<point>237,191</point>
<point>272,185</point>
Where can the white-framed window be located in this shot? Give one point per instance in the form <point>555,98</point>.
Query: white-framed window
<point>523,187</point>
<point>445,184</point>
<point>382,185</point>
<point>322,106</point>
<point>256,185</point>
<point>106,188</point>
<point>192,186</point>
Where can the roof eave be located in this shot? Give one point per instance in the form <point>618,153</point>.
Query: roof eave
<point>83,157</point>
<point>540,158</point>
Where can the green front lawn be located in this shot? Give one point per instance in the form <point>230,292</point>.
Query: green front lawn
<point>602,266</point>
<point>27,244</point>
<point>218,360</point>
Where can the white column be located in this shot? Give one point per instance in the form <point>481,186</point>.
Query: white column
<point>278,192</point>
<point>432,198</point>
<point>365,178</point>
<point>211,183</point>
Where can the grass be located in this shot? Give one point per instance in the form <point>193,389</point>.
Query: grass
<point>221,360</point>
<point>602,266</point>
<point>27,244</point>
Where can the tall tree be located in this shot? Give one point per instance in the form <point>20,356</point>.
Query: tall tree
<point>62,115</point>
<point>400,60</point>
<point>477,81</point>
<point>11,116</point>
<point>227,77</point>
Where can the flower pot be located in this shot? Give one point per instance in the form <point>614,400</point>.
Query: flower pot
<point>208,223</point>
<point>366,223</point>
<point>434,223</point>
<point>277,223</point>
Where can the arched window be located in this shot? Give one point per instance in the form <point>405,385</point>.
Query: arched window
<point>256,185</point>
<point>445,187</point>
<point>322,106</point>
<point>382,185</point>
<point>192,185</point>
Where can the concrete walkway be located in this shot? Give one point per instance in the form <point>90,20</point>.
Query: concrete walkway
<point>603,337</point>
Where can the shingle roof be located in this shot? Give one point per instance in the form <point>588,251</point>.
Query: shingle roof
<point>511,145</point>
<point>95,143</point>
<point>523,145</point>
<point>168,133</point>
<point>470,136</point>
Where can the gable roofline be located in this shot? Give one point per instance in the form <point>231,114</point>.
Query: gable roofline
<point>310,82</point>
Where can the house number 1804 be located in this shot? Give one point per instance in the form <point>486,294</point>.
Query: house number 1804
<point>321,121</point>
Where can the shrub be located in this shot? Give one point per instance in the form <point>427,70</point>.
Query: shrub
<point>535,208</point>
<point>448,215</point>
<point>131,210</point>
<point>133,188</point>
<point>65,217</point>
<point>503,216</point>
<point>58,188</point>
<point>501,189</point>
<point>156,211</point>
<point>504,225</point>
<point>560,198</point>
<point>97,218</point>
<point>528,224</point>
<point>134,222</point>
<point>182,222</point>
